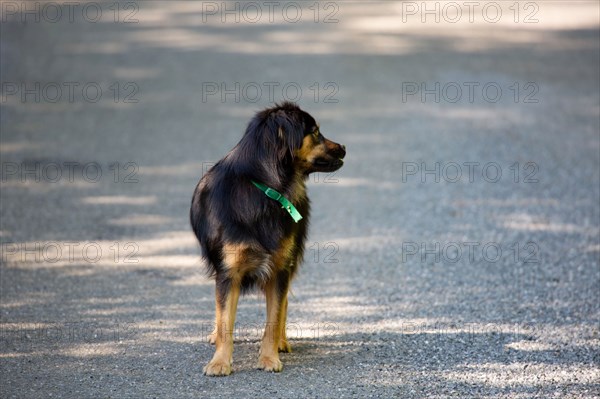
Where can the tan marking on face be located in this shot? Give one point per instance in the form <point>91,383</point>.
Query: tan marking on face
<point>310,150</point>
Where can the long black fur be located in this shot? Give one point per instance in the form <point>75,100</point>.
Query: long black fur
<point>228,208</point>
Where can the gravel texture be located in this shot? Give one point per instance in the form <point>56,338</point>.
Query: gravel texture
<point>418,282</point>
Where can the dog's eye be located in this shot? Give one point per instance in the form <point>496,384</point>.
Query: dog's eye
<point>316,133</point>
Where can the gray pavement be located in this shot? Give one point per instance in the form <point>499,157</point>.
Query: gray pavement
<point>456,254</point>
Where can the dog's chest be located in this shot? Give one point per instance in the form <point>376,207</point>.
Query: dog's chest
<point>297,191</point>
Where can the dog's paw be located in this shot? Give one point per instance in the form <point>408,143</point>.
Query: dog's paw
<point>269,364</point>
<point>212,338</point>
<point>284,346</point>
<point>217,368</point>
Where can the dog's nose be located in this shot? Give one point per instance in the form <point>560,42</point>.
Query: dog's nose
<point>343,151</point>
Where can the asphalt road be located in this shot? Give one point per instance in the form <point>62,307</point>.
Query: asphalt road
<point>456,254</point>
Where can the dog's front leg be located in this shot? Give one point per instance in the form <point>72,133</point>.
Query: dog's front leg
<point>276,293</point>
<point>284,345</point>
<point>227,294</point>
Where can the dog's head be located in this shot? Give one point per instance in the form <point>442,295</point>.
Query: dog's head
<point>292,134</point>
<point>317,153</point>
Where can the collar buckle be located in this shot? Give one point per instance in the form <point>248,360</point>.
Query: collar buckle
<point>273,194</point>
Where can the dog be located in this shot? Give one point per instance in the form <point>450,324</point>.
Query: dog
<point>250,213</point>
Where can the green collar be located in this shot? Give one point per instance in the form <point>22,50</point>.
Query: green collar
<point>285,203</point>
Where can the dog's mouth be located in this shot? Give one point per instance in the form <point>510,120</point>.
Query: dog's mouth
<point>328,164</point>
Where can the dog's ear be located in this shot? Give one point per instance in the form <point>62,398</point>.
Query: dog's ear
<point>271,136</point>
<point>290,132</point>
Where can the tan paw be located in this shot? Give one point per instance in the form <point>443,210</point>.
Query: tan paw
<point>284,346</point>
<point>269,364</point>
<point>217,368</point>
<point>212,338</point>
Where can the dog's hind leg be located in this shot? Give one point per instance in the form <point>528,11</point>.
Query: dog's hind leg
<point>227,295</point>
<point>276,293</point>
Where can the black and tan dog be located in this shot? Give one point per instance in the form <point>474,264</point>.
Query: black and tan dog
<point>250,213</point>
